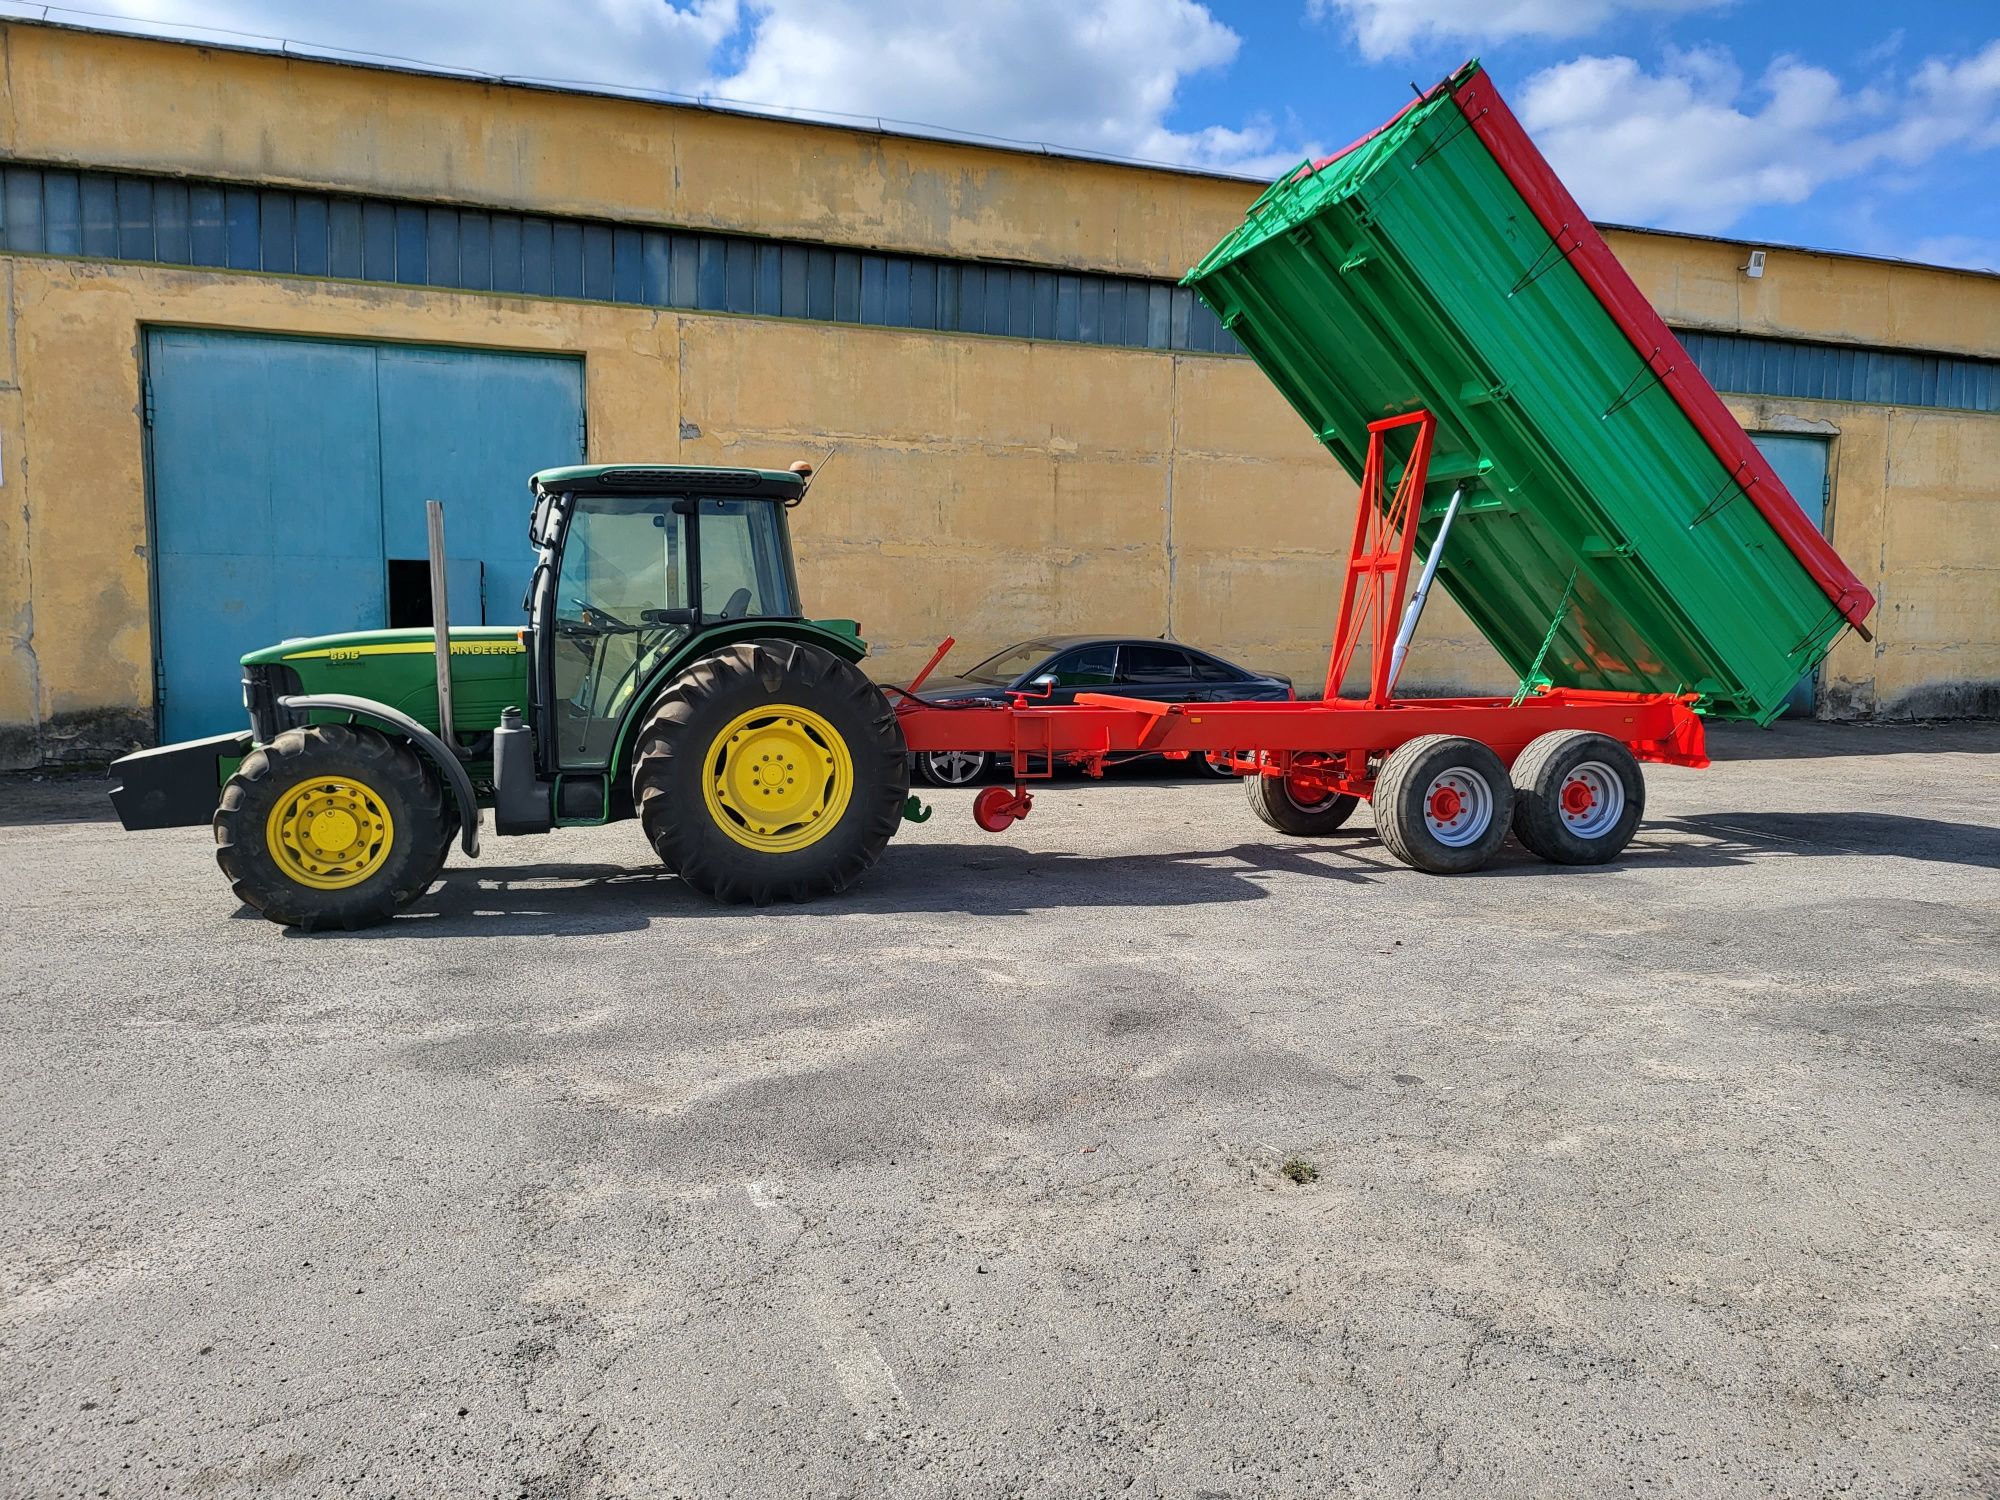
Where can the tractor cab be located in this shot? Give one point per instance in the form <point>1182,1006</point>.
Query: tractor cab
<point>631,562</point>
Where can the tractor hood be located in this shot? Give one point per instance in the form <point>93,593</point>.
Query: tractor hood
<point>489,671</point>
<point>356,645</point>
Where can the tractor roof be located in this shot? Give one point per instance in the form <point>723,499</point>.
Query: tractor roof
<point>672,479</point>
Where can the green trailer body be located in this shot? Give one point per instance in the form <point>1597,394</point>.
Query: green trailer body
<point>1617,530</point>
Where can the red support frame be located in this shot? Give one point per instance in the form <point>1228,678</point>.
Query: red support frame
<point>1378,562</point>
<point>1336,744</point>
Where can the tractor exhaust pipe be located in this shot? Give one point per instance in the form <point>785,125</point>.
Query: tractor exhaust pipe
<point>440,620</point>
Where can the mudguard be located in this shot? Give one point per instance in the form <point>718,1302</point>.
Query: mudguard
<point>428,744</point>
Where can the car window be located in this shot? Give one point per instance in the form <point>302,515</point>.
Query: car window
<point>1086,667</point>
<point>1003,667</point>
<point>1208,669</point>
<point>1142,666</point>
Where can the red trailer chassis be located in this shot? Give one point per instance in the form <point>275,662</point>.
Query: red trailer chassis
<point>1333,746</point>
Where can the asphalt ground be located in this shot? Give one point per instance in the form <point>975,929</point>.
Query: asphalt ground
<point>1676,1177</point>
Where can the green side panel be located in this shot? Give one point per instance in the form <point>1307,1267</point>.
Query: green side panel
<point>1409,273</point>
<point>489,671</point>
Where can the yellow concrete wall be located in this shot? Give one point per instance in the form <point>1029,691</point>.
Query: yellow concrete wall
<point>1915,511</point>
<point>113,102</point>
<point>1838,299</point>
<point>128,102</point>
<point>987,487</point>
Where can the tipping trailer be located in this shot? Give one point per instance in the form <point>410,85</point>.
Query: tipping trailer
<point>1525,432</point>
<point>1456,333</point>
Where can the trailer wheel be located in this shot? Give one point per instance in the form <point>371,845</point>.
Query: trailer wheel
<point>1442,803</point>
<point>333,825</point>
<point>1281,804</point>
<point>770,769</point>
<point>1578,797</point>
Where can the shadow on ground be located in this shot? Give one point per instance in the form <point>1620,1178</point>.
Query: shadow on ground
<point>1001,880</point>
<point>1809,739</point>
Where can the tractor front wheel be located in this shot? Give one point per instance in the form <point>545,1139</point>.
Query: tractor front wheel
<point>332,826</point>
<point>770,769</point>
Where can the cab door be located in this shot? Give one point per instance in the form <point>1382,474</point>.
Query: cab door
<point>623,565</point>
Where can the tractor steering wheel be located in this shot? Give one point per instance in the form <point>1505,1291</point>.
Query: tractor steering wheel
<point>592,615</point>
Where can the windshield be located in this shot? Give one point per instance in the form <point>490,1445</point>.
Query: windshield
<point>1002,669</point>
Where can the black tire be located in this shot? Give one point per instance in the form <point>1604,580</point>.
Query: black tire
<point>1474,777</point>
<point>677,754</point>
<point>421,819</point>
<point>953,767</point>
<point>1600,827</point>
<point>1272,800</point>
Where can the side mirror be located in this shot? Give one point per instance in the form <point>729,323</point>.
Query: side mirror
<point>1046,683</point>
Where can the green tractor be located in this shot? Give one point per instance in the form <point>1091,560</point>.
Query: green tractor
<point>666,673</point>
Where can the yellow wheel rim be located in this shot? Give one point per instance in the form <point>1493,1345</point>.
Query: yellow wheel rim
<point>329,832</point>
<point>777,778</point>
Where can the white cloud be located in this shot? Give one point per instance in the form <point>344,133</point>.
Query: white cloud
<point>1690,147</point>
<point>1091,75</point>
<point>622,43</point>
<point>1095,76</point>
<point>1390,28</point>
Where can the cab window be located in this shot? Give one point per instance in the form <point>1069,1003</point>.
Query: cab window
<point>746,560</point>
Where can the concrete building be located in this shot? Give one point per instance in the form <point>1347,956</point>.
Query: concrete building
<point>260,308</point>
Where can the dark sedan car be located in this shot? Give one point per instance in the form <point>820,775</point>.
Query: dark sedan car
<point>1061,666</point>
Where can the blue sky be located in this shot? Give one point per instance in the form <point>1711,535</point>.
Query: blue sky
<point>1840,124</point>
<point>1940,205</point>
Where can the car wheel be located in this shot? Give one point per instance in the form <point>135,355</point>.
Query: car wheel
<point>952,767</point>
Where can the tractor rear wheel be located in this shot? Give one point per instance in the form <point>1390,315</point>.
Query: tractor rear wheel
<point>333,825</point>
<point>770,769</point>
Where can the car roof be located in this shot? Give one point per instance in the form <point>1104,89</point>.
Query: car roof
<point>1064,642</point>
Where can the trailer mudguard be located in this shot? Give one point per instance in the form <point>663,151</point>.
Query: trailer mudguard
<point>174,786</point>
<point>429,745</point>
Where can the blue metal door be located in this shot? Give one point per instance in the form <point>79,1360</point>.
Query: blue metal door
<point>468,428</point>
<point>287,472</point>
<point>267,512</point>
<point>1801,462</point>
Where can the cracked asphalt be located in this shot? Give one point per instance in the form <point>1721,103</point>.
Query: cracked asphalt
<point>1677,1177</point>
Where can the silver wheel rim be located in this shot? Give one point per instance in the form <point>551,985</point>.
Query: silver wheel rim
<point>1307,807</point>
<point>1592,799</point>
<point>1458,807</point>
<point>954,767</point>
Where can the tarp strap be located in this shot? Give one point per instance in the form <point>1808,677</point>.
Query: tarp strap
<point>1464,124</point>
<point>1831,616</point>
<point>1732,486</point>
<point>1628,395</point>
<point>1544,262</point>
<point>1562,609</point>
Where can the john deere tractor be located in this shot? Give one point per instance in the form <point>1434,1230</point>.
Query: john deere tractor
<point>665,673</point>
